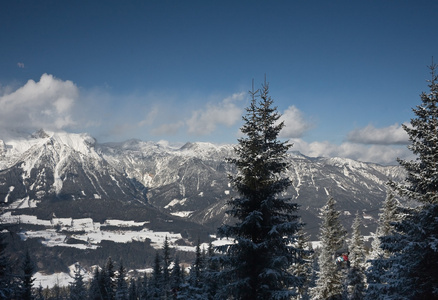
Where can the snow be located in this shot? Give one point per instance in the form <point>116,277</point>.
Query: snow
<point>11,189</point>
<point>121,223</point>
<point>182,214</point>
<point>23,203</point>
<point>58,231</point>
<point>61,279</point>
<point>175,202</point>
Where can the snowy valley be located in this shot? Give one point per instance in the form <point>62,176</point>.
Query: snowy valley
<point>69,197</point>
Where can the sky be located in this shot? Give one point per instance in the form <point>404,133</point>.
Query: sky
<point>344,74</point>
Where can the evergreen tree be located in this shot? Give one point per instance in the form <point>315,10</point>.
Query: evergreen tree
<point>356,274</point>
<point>195,288</point>
<point>413,272</point>
<point>78,290</point>
<point>257,264</point>
<point>176,278</point>
<point>143,288</point>
<point>387,217</point>
<point>122,285</point>
<point>166,264</point>
<point>27,280</point>
<point>107,280</point>
<point>94,292</point>
<point>379,259</point>
<point>303,270</point>
<point>40,293</point>
<point>156,283</point>
<point>329,284</point>
<point>211,284</point>
<point>5,270</point>
<point>133,292</point>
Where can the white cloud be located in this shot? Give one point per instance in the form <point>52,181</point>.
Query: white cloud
<point>205,121</point>
<point>44,104</point>
<point>382,154</point>
<point>295,123</point>
<point>391,135</point>
<point>150,117</point>
<point>20,65</point>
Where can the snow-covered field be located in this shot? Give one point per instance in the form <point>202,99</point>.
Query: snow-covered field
<point>58,231</point>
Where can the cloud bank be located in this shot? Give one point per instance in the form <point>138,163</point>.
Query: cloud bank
<point>205,121</point>
<point>295,123</point>
<point>55,104</point>
<point>43,104</point>
<point>391,135</point>
<point>381,154</point>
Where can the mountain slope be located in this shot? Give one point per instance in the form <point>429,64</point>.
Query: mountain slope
<point>70,174</point>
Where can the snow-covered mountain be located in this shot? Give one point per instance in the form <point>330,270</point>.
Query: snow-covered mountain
<point>171,189</point>
<point>190,181</point>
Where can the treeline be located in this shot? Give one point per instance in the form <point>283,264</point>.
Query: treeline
<point>169,279</point>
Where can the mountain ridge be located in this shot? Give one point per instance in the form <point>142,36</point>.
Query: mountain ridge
<point>174,189</point>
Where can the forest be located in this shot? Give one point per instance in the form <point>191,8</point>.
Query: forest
<point>271,257</point>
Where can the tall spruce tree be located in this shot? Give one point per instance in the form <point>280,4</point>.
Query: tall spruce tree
<point>121,292</point>
<point>304,270</point>
<point>196,281</point>
<point>212,268</point>
<point>356,273</point>
<point>108,280</point>
<point>94,292</point>
<point>329,284</point>
<point>156,282</point>
<point>143,288</point>
<point>387,216</point>
<point>418,231</point>
<point>27,279</point>
<point>133,291</point>
<point>176,277</point>
<point>78,290</point>
<point>5,269</point>
<point>413,272</point>
<point>257,265</point>
<point>166,264</point>
<point>378,259</point>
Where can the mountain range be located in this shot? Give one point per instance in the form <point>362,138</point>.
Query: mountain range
<point>180,190</point>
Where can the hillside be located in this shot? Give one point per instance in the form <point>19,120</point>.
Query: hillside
<point>51,182</point>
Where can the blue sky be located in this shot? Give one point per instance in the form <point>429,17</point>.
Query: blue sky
<point>344,74</point>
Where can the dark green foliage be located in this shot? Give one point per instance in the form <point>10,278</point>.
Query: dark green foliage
<point>304,270</point>
<point>78,289</point>
<point>143,288</point>
<point>26,278</point>
<point>156,282</point>
<point>166,263</point>
<point>422,179</point>
<point>257,265</point>
<point>39,295</point>
<point>379,262</point>
<point>411,269</point>
<point>132,292</point>
<point>121,284</point>
<point>356,273</point>
<point>5,270</point>
<point>94,292</point>
<point>176,276</point>
<point>329,284</point>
